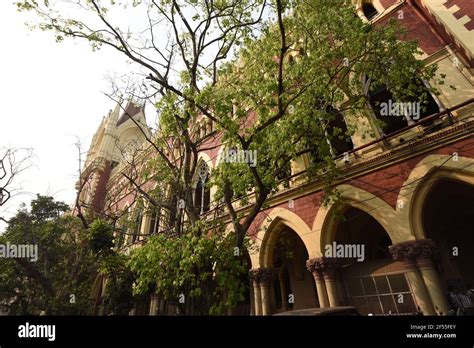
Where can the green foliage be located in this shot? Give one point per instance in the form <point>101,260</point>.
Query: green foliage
<point>119,292</point>
<point>65,265</point>
<point>45,208</point>
<point>112,266</point>
<point>206,269</point>
<point>101,237</point>
<point>329,51</point>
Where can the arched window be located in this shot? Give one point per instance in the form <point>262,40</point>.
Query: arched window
<point>335,131</point>
<point>202,193</point>
<point>396,115</point>
<point>369,10</point>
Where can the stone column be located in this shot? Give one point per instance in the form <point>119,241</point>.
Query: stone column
<point>330,266</point>
<point>314,266</point>
<point>252,297</point>
<point>266,278</point>
<point>257,295</point>
<point>429,253</point>
<point>408,253</point>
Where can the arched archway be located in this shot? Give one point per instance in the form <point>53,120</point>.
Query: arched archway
<point>284,245</point>
<point>326,218</point>
<point>269,230</point>
<point>424,176</point>
<point>368,277</point>
<point>293,285</point>
<point>447,216</point>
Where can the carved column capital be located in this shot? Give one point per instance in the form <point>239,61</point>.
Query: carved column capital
<point>313,265</point>
<point>323,266</point>
<point>261,275</point>
<point>323,263</point>
<point>255,275</point>
<point>411,251</point>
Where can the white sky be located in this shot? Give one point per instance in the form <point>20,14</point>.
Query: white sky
<point>49,93</point>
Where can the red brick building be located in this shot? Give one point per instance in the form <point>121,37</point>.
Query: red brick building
<point>407,193</point>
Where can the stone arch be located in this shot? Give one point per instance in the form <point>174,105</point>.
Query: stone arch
<point>423,178</point>
<point>270,230</point>
<point>324,225</point>
<point>130,131</point>
<point>376,225</point>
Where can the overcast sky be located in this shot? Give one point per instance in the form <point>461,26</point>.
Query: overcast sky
<point>49,94</point>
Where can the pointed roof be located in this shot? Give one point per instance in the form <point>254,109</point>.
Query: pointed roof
<point>130,111</point>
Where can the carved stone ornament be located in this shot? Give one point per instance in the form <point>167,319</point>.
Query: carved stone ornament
<point>413,250</point>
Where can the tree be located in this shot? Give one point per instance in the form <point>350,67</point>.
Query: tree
<point>207,272</point>
<point>59,281</point>
<point>113,266</point>
<point>12,163</point>
<point>269,77</point>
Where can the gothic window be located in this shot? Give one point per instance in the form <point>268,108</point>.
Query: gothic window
<point>130,150</point>
<point>119,236</point>
<point>202,193</point>
<point>338,140</point>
